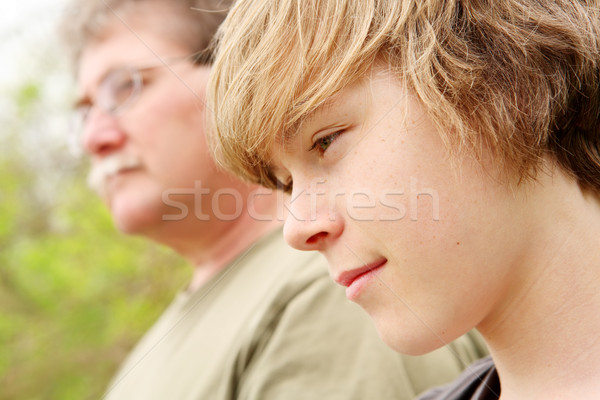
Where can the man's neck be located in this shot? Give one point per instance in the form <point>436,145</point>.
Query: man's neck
<point>232,244</point>
<point>210,246</point>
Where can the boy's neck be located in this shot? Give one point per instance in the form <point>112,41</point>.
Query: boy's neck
<point>545,336</point>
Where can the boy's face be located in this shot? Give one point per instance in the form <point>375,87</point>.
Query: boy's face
<point>374,187</point>
<point>157,143</point>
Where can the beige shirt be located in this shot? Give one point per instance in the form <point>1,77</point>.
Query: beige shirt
<point>272,325</point>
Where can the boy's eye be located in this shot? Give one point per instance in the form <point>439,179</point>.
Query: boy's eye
<point>324,142</point>
<point>285,187</point>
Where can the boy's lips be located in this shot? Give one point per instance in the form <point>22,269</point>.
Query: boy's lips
<point>347,277</point>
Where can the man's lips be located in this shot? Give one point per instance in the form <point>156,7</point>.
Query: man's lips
<point>347,277</point>
<point>123,170</point>
<point>107,168</point>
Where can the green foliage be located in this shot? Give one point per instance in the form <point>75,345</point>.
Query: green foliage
<point>28,94</point>
<point>75,295</point>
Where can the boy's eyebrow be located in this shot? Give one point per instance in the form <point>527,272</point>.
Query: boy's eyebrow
<point>293,130</point>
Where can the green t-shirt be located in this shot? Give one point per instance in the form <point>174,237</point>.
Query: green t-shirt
<point>272,325</point>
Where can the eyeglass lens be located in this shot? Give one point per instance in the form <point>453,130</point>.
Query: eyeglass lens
<point>118,89</point>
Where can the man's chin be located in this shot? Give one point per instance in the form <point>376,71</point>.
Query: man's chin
<point>134,219</point>
<point>98,186</point>
<point>129,226</point>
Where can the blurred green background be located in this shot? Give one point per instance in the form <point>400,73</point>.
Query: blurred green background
<point>75,295</point>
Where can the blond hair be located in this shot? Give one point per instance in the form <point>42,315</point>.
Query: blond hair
<point>521,76</point>
<point>87,21</point>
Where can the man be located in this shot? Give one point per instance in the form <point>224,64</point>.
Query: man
<point>258,320</point>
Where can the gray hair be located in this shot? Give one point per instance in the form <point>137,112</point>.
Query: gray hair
<point>86,21</point>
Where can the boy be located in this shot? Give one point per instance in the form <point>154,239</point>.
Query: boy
<point>445,157</point>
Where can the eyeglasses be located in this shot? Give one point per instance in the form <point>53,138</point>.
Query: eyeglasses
<point>118,90</point>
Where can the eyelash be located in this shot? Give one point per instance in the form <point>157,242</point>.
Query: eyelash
<point>316,146</point>
<point>319,143</point>
<point>285,187</point>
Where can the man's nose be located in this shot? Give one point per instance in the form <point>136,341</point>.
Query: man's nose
<point>101,133</point>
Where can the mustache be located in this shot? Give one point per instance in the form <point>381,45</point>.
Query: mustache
<point>108,167</point>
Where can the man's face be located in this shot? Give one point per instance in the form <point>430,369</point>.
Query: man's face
<point>154,145</point>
